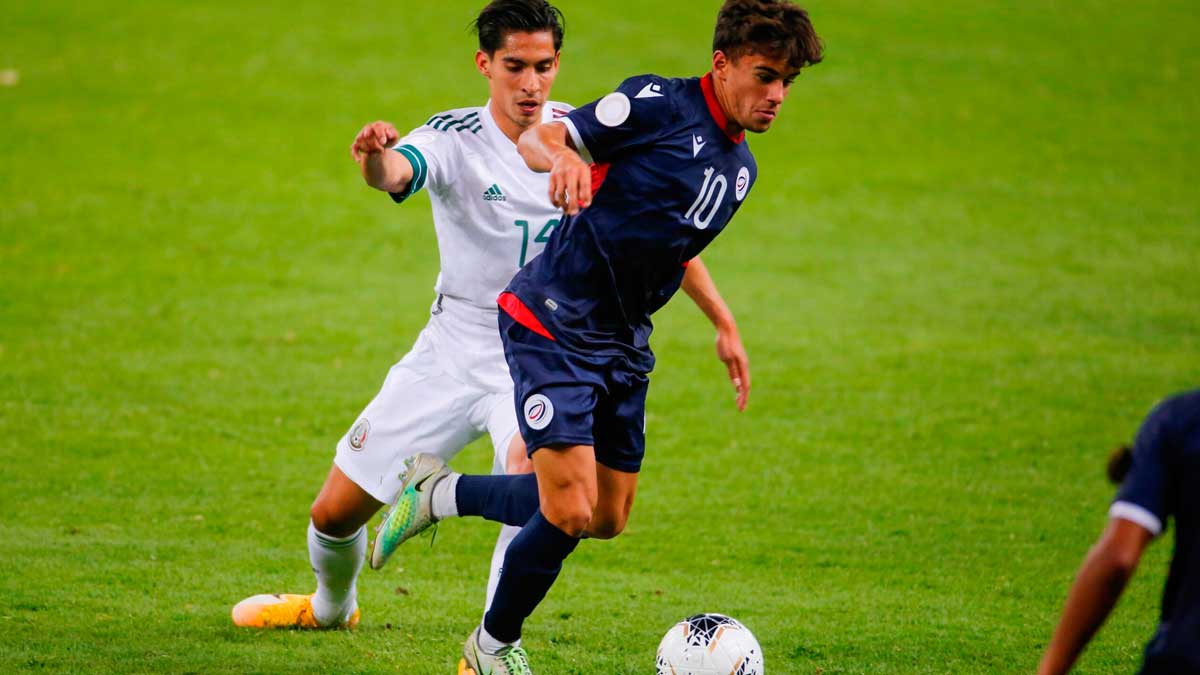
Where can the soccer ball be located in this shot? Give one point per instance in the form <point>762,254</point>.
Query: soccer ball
<point>709,644</point>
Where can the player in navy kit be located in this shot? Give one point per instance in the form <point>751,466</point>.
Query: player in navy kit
<point>1160,479</point>
<point>671,168</point>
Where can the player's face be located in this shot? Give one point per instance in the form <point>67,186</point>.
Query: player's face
<point>520,74</point>
<point>755,86</point>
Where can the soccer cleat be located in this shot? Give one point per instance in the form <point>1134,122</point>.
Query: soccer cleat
<point>283,611</point>
<point>511,660</point>
<point>412,512</point>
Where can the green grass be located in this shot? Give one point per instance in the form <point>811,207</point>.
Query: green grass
<point>968,269</point>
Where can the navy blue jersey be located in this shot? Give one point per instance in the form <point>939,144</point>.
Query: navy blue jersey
<point>672,180</point>
<point>1164,483</point>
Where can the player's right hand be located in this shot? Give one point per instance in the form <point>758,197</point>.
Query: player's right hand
<point>374,138</point>
<point>570,182</point>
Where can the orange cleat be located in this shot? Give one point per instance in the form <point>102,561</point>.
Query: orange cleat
<point>283,611</point>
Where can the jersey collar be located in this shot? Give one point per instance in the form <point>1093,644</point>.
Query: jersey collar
<point>492,129</point>
<point>714,108</point>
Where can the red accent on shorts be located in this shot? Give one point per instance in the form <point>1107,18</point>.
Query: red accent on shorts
<point>714,108</point>
<point>686,263</point>
<point>513,307</point>
<point>599,173</point>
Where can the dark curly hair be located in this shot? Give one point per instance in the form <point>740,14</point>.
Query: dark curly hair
<point>1120,461</point>
<point>501,17</point>
<point>774,28</point>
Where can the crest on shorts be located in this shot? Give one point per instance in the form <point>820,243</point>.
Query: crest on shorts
<point>538,412</point>
<point>359,433</point>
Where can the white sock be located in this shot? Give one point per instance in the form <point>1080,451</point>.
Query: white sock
<point>507,532</point>
<point>490,644</point>
<point>444,503</point>
<point>336,563</point>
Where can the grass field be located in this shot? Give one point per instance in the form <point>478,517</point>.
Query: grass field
<point>968,270</point>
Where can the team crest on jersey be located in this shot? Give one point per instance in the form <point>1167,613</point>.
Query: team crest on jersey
<point>359,433</point>
<point>742,184</point>
<point>538,412</point>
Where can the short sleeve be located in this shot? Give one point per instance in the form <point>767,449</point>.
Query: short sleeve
<point>432,154</point>
<point>1143,496</point>
<point>637,113</point>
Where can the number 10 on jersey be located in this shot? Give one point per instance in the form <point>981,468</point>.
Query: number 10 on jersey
<point>707,191</point>
<point>541,237</point>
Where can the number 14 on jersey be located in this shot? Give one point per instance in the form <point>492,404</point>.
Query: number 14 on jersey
<point>542,236</point>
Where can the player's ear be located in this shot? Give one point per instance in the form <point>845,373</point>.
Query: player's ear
<point>720,62</point>
<point>1120,461</point>
<point>483,62</point>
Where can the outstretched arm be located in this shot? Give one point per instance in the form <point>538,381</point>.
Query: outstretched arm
<point>381,169</point>
<point>545,147</point>
<point>1106,570</point>
<point>701,288</point>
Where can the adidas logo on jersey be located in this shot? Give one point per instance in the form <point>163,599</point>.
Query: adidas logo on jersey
<point>493,194</point>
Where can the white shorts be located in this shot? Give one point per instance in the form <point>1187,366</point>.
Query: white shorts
<point>430,403</point>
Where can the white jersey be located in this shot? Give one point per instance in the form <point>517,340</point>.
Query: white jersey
<point>492,214</point>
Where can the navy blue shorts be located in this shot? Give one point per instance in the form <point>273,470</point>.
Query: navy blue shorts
<point>566,398</point>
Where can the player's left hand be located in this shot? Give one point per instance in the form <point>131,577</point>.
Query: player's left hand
<point>733,355</point>
<point>570,182</point>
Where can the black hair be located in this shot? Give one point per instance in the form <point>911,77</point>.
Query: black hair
<point>501,17</point>
<point>1120,461</point>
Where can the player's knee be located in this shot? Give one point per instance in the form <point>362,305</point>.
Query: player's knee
<point>602,527</point>
<point>571,515</point>
<point>573,521</point>
<point>330,521</point>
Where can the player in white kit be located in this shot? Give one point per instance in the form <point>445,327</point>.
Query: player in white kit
<point>491,215</point>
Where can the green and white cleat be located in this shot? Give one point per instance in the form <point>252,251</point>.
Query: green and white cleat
<point>510,661</point>
<point>412,512</point>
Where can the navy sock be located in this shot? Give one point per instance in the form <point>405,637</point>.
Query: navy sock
<point>511,500</point>
<point>531,565</point>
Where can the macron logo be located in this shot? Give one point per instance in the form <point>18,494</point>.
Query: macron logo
<point>650,91</point>
<point>493,194</point>
<point>697,145</point>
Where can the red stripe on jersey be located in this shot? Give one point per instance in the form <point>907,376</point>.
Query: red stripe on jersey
<point>558,112</point>
<point>686,263</point>
<point>714,108</point>
<point>599,173</point>
<point>513,307</point>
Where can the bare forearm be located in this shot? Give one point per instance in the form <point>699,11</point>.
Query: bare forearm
<point>388,171</point>
<point>546,148</point>
<point>1092,597</point>
<point>701,288</point>
<point>540,146</point>
<point>381,168</point>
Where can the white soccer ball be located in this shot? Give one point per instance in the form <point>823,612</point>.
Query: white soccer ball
<point>709,644</point>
